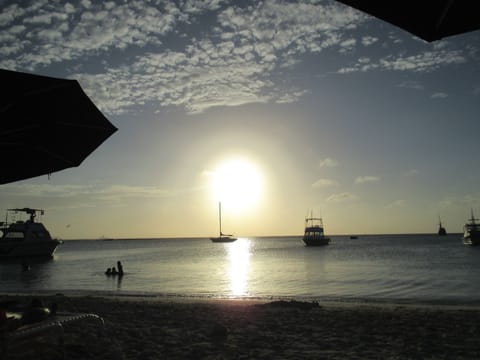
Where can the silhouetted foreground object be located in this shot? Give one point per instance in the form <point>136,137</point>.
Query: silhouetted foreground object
<point>430,20</point>
<point>23,328</point>
<point>46,125</point>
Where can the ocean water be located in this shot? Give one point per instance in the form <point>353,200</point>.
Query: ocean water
<point>384,268</point>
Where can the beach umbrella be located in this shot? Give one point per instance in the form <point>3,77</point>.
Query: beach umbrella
<point>46,125</point>
<point>429,20</point>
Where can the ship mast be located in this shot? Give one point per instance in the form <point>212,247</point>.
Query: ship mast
<point>220,217</point>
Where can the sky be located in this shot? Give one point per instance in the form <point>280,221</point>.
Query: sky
<point>276,109</point>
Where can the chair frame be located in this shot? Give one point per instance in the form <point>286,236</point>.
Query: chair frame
<point>54,323</point>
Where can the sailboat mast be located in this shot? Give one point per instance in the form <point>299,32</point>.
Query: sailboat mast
<point>220,216</point>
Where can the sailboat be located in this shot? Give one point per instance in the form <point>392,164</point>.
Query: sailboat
<point>222,238</point>
<point>441,229</point>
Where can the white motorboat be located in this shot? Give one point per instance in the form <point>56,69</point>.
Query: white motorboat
<point>26,238</point>
<point>471,235</point>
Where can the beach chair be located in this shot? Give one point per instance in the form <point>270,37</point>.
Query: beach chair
<point>53,326</point>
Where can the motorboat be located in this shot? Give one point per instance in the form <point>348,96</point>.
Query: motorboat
<point>314,232</point>
<point>441,229</point>
<point>222,238</point>
<point>471,235</point>
<point>26,238</point>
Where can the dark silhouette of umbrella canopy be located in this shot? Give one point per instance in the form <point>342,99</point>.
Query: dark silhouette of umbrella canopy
<point>46,125</point>
<point>429,20</point>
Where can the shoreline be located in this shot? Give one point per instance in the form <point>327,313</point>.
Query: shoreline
<point>188,298</point>
<point>179,328</point>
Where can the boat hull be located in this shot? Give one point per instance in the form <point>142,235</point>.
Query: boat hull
<point>316,241</point>
<point>9,249</point>
<point>223,239</point>
<point>471,238</point>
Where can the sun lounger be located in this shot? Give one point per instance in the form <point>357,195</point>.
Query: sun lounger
<point>52,326</point>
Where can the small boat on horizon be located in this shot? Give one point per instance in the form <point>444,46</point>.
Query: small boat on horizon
<point>471,235</point>
<point>222,238</point>
<point>441,230</point>
<point>26,238</point>
<point>314,232</point>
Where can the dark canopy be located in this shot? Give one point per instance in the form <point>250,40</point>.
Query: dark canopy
<point>46,125</point>
<point>429,20</point>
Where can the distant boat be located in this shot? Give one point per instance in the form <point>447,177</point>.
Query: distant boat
<point>222,238</point>
<point>441,229</point>
<point>314,232</point>
<point>353,237</point>
<point>26,238</point>
<point>471,235</point>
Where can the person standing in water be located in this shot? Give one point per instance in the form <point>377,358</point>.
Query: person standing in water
<point>120,268</point>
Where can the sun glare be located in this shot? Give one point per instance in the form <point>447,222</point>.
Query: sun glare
<point>237,184</point>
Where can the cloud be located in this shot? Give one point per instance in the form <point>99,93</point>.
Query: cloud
<point>320,183</point>
<point>341,197</point>
<point>411,172</point>
<point>368,40</point>
<point>461,201</point>
<point>84,31</point>
<point>229,63</point>
<point>328,162</point>
<point>427,61</point>
<point>439,95</point>
<point>366,179</point>
<point>411,85</point>
<point>131,53</point>
<point>396,204</point>
<point>347,45</point>
<point>88,193</point>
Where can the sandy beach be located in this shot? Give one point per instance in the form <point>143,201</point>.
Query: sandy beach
<point>152,328</point>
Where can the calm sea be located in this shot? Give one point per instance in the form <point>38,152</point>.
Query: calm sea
<point>393,268</point>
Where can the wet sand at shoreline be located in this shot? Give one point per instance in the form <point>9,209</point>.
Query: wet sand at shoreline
<point>152,328</point>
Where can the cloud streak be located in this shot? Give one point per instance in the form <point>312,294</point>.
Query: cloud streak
<point>321,183</point>
<point>328,162</point>
<point>341,197</point>
<point>366,179</point>
<point>88,193</point>
<point>424,62</point>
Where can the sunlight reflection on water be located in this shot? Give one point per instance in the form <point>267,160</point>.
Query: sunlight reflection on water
<point>239,266</point>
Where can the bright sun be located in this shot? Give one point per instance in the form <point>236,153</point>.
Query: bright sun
<point>237,183</point>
